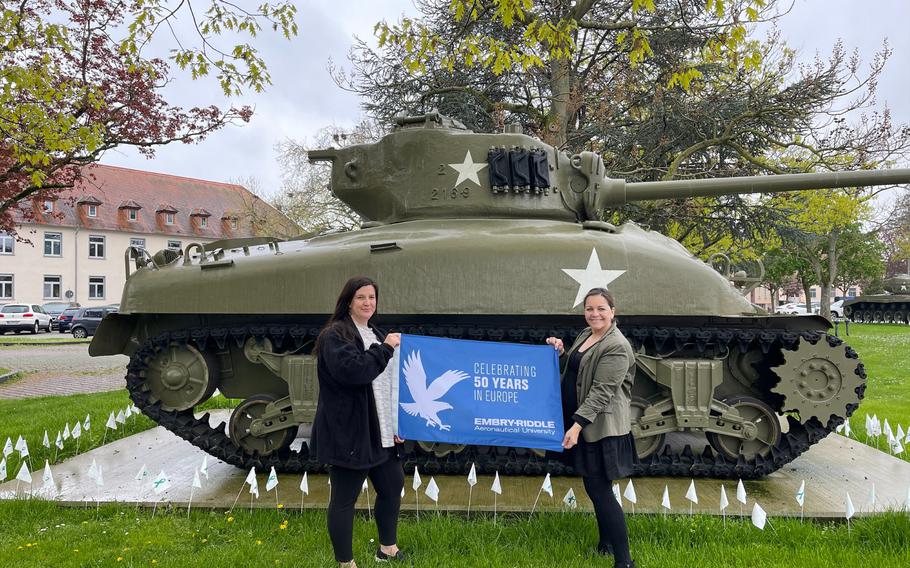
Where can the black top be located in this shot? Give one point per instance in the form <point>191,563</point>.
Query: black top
<point>346,427</point>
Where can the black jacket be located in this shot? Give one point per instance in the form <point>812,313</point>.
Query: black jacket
<point>346,428</point>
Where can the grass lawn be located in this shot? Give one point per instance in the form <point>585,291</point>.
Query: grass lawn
<point>41,338</point>
<point>41,534</point>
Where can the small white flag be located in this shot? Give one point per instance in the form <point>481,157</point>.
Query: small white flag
<point>907,437</point>
<point>690,494</point>
<point>617,494</point>
<point>570,500</point>
<point>93,470</point>
<point>305,485</point>
<point>724,502</point>
<point>128,412</point>
<point>547,486</point>
<point>120,418</point>
<point>849,511</point>
<point>876,426</point>
<point>629,493</point>
<point>24,475</point>
<point>402,491</point>
<point>161,483</point>
<point>66,431</point>
<point>497,486</point>
<point>197,483</point>
<point>77,430</point>
<point>143,474</point>
<point>87,425</point>
<point>46,442</point>
<point>759,516</point>
<point>432,490</point>
<point>3,470</point>
<point>19,443</point>
<point>416,483</point>
<point>472,476</point>
<point>900,433</point>
<point>665,502</point>
<point>897,447</point>
<point>99,477</point>
<point>48,477</point>
<point>272,481</point>
<point>204,468</point>
<point>801,494</point>
<point>870,430</point>
<point>59,442</point>
<point>111,422</point>
<point>847,430</point>
<point>364,487</point>
<point>887,430</point>
<point>254,484</point>
<point>741,492</point>
<point>872,498</point>
<point>7,448</point>
<point>23,452</point>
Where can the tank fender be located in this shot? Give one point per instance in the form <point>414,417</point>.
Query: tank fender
<point>113,335</point>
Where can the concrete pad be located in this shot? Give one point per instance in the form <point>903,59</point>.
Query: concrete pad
<point>832,468</point>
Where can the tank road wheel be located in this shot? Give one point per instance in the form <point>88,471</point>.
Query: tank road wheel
<point>647,445</point>
<point>239,427</point>
<point>179,377</point>
<point>878,317</point>
<point>759,440</point>
<point>818,380</point>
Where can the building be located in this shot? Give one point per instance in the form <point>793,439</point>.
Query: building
<point>78,240</point>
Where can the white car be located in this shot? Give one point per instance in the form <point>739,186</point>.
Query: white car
<point>23,317</point>
<point>837,309</point>
<point>792,308</point>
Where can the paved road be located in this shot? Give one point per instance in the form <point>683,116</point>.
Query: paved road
<point>60,370</point>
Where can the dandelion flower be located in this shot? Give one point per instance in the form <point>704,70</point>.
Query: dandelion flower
<point>258,542</point>
<point>230,519</point>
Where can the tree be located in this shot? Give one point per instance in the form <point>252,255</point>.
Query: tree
<point>861,258</point>
<point>780,270</point>
<point>306,195</point>
<point>70,91</point>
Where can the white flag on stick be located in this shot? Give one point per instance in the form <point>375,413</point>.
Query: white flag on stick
<point>46,442</point>
<point>759,517</point>
<point>305,485</point>
<point>24,474</point>
<point>23,451</point>
<point>724,502</point>
<point>161,483</point>
<point>629,493</point>
<point>847,431</point>
<point>120,418</point>
<point>59,442</point>
<point>617,494</point>
<point>365,487</point>
<point>272,481</point>
<point>900,433</point>
<point>253,483</point>
<point>870,430</point>
<point>77,430</point>
<point>497,486</point>
<point>741,492</point>
<point>876,426</point>
<point>66,431</point>
<point>19,442</point>
<point>472,475</point>
<point>87,425</point>
<point>432,490</point>
<point>143,474</point>
<point>197,483</point>
<point>547,486</point>
<point>690,494</point>
<point>416,483</point>
<point>111,422</point>
<point>801,494</point>
<point>99,477</point>
<point>48,478</point>
<point>8,447</point>
<point>204,468</point>
<point>849,511</point>
<point>665,502</point>
<point>887,431</point>
<point>570,500</point>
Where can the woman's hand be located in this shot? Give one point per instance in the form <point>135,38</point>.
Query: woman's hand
<point>398,440</point>
<point>393,340</point>
<point>571,438</point>
<point>557,344</point>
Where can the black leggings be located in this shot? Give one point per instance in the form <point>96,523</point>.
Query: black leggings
<point>387,479</point>
<point>611,523</point>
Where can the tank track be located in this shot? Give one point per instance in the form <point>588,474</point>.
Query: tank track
<point>512,461</point>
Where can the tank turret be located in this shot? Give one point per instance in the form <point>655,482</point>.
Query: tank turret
<point>487,237</point>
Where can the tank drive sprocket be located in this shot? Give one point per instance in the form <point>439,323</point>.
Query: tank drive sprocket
<point>820,379</point>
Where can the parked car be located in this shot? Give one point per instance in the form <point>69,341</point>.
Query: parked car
<point>87,320</point>
<point>792,308</point>
<point>54,309</point>
<point>837,309</point>
<point>23,317</point>
<point>64,319</point>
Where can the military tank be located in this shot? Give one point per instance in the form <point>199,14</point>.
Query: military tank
<point>489,237</point>
<point>891,307</point>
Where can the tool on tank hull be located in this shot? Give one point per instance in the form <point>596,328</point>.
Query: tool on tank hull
<point>490,237</point>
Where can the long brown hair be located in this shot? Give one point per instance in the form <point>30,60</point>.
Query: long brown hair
<point>340,321</point>
<point>603,292</point>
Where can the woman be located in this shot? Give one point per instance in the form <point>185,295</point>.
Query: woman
<point>353,430</point>
<point>596,392</point>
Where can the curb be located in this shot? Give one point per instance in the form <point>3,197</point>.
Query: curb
<point>8,376</point>
<point>43,343</point>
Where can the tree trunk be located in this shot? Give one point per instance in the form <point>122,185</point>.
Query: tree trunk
<point>558,119</point>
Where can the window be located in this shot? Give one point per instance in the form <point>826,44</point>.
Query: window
<point>6,286</point>
<point>7,244</point>
<point>53,244</point>
<point>203,222</point>
<point>95,246</point>
<point>52,286</point>
<point>851,292</point>
<point>174,245</point>
<point>96,287</point>
<point>813,293</point>
<point>234,223</point>
<point>48,205</point>
<point>169,218</point>
<point>137,242</point>
<point>92,210</point>
<point>133,214</point>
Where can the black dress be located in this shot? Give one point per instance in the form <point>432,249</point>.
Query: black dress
<point>612,457</point>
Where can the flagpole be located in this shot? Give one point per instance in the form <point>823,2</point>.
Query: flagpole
<point>470,492</point>
<point>534,506</point>
<point>238,497</point>
<point>494,506</point>
<point>417,502</point>
<point>276,501</point>
<point>190,504</point>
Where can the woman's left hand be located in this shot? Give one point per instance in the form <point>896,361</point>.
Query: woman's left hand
<point>398,440</point>
<point>571,438</point>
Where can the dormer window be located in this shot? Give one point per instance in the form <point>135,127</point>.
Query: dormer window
<point>48,206</point>
<point>200,217</point>
<point>203,222</point>
<point>133,214</point>
<point>92,210</point>
<point>132,210</point>
<point>234,223</point>
<point>169,218</point>
<point>167,214</point>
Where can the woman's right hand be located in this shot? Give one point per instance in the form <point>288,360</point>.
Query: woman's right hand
<point>557,344</point>
<point>393,340</point>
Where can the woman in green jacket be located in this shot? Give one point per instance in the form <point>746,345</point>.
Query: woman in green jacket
<point>596,395</point>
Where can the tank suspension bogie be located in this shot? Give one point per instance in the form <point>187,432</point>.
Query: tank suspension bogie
<point>180,376</point>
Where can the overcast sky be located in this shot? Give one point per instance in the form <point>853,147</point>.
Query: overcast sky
<point>304,99</point>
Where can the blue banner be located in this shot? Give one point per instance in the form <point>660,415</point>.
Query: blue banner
<point>477,392</point>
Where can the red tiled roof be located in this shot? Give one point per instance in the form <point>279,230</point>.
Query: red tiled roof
<point>117,189</point>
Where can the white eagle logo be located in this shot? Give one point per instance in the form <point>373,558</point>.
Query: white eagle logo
<point>426,397</point>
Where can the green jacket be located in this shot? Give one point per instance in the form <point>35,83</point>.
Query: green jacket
<point>604,385</point>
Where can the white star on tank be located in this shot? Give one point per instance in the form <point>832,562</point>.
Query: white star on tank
<point>592,276</point>
<point>468,169</point>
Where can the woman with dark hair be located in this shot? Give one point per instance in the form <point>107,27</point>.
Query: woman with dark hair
<point>596,396</point>
<point>354,428</point>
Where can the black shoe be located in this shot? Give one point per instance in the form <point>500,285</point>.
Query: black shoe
<point>605,549</point>
<point>397,557</point>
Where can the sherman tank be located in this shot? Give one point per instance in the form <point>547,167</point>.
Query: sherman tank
<point>891,307</point>
<point>494,237</point>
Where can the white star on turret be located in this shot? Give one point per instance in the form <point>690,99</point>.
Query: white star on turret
<point>591,277</point>
<point>468,169</point>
